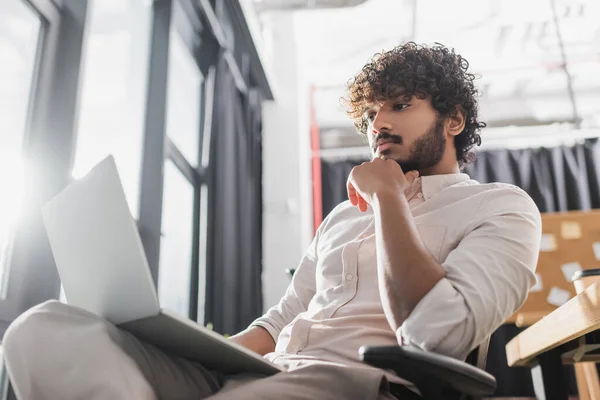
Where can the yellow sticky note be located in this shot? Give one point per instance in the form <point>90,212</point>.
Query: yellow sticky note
<point>596,247</point>
<point>569,270</point>
<point>570,230</point>
<point>548,242</point>
<point>557,296</point>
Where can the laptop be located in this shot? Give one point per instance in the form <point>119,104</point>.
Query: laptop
<point>104,270</point>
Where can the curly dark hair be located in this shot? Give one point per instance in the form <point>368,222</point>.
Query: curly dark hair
<point>418,70</point>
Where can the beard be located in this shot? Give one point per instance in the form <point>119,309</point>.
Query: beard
<point>425,152</point>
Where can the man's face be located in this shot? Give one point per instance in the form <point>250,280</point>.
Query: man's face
<point>409,132</point>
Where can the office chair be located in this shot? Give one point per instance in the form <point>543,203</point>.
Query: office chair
<point>436,376</point>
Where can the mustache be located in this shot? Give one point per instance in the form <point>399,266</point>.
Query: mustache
<point>388,137</point>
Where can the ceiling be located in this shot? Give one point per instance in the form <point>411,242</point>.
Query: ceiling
<point>512,44</point>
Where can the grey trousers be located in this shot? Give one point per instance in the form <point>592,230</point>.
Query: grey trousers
<point>55,351</point>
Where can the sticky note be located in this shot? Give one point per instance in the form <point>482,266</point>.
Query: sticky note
<point>596,247</point>
<point>570,230</point>
<point>539,285</point>
<point>569,269</point>
<point>557,296</point>
<point>548,242</point>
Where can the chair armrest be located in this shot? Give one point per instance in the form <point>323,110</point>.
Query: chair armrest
<point>424,368</point>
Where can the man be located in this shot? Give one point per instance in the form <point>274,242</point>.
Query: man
<point>420,255</point>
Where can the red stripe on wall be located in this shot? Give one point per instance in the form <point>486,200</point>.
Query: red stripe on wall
<point>315,145</point>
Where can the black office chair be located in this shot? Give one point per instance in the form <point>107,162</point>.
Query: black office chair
<point>436,376</point>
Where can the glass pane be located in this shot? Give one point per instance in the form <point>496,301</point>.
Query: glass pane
<point>183,106</point>
<point>177,241</point>
<point>18,47</point>
<point>113,97</point>
<point>202,258</point>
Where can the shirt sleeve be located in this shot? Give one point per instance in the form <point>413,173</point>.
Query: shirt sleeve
<point>297,296</point>
<point>489,275</point>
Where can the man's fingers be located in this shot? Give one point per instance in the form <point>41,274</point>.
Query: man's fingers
<point>352,195</point>
<point>355,198</point>
<point>362,204</point>
<point>411,176</point>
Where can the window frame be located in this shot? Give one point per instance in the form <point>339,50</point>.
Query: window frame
<point>51,135</point>
<point>181,17</point>
<point>31,276</point>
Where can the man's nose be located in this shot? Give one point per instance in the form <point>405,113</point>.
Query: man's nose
<point>380,123</point>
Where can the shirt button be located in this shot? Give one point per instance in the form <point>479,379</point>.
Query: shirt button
<point>420,195</point>
<point>349,277</point>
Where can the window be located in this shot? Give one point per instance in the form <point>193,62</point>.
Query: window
<point>202,254</point>
<point>183,99</point>
<point>20,29</point>
<point>183,115</point>
<point>177,241</point>
<point>113,97</point>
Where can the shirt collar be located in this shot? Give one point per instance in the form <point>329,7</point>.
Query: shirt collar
<point>433,184</point>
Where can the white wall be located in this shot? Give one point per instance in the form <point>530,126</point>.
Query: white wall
<point>287,196</point>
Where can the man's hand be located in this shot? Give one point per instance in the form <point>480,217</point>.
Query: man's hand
<point>369,179</point>
<point>255,338</point>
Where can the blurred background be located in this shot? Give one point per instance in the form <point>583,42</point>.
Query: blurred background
<point>224,118</point>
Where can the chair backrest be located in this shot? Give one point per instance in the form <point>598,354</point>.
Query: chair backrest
<point>477,358</point>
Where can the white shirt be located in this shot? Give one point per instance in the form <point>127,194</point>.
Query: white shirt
<point>487,238</point>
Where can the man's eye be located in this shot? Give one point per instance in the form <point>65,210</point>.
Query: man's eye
<point>400,106</point>
<point>370,116</point>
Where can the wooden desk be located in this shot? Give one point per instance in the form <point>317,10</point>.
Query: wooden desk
<point>558,337</point>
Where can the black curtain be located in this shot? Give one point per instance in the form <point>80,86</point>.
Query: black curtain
<point>234,242</point>
<point>558,179</point>
<point>334,175</point>
<point>561,178</point>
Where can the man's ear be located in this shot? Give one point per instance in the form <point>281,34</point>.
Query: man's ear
<point>455,123</point>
